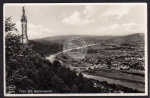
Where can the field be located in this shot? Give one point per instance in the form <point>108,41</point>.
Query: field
<point>116,74</point>
<point>116,59</point>
<point>125,78</point>
<point>128,78</point>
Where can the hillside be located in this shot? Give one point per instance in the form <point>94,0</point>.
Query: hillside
<point>50,45</point>
<point>132,38</point>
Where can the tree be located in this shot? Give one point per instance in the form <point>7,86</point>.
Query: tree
<point>109,63</point>
<point>58,83</point>
<point>25,68</point>
<point>56,65</point>
<point>74,89</point>
<point>9,25</point>
<point>15,59</point>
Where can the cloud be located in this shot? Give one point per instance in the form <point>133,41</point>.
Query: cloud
<point>118,10</point>
<point>121,29</point>
<point>75,19</point>
<point>90,10</point>
<point>35,31</point>
<point>64,14</point>
<point>107,10</point>
<point>93,13</point>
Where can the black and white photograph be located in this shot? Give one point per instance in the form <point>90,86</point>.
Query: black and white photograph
<point>75,49</point>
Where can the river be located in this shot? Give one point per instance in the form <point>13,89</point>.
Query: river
<point>52,57</point>
<point>137,86</point>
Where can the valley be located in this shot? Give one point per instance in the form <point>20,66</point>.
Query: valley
<point>116,59</point>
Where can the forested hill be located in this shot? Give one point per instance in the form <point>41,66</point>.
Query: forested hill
<point>136,37</point>
<point>50,45</point>
<point>46,48</point>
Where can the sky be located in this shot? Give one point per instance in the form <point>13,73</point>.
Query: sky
<point>46,20</point>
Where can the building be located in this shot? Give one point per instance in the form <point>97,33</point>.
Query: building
<point>24,27</point>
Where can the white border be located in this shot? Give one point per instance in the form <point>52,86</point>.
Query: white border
<point>83,94</point>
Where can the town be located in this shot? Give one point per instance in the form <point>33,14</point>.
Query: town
<point>116,57</point>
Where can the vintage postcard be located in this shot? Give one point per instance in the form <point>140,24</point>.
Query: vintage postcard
<point>75,49</point>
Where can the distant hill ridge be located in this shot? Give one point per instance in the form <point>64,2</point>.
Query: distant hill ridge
<point>50,45</point>
<point>132,38</point>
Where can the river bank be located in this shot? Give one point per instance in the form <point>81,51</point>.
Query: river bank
<point>133,85</point>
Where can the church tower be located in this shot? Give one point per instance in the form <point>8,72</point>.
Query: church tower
<point>24,27</point>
